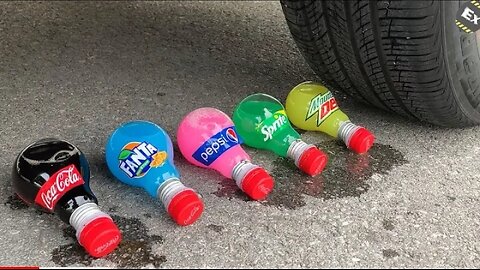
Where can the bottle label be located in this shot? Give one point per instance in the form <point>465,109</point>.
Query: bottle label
<point>275,123</point>
<point>58,185</point>
<point>136,158</point>
<point>323,105</point>
<point>218,144</point>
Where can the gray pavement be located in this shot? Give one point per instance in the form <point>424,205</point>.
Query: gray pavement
<point>78,70</point>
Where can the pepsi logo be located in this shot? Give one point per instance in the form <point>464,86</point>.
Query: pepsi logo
<point>232,135</point>
<point>216,145</point>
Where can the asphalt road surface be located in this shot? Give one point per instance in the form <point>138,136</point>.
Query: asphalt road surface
<point>76,71</point>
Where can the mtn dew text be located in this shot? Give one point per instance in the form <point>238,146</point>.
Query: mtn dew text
<point>322,106</point>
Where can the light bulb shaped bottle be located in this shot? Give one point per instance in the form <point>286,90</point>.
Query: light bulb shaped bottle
<point>262,123</point>
<point>207,138</point>
<point>140,154</point>
<point>311,106</point>
<point>54,176</point>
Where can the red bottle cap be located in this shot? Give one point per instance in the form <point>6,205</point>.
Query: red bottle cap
<point>257,183</point>
<point>100,237</point>
<point>186,207</point>
<point>313,161</point>
<point>361,141</point>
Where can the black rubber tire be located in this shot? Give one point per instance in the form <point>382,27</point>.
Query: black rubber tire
<point>408,57</point>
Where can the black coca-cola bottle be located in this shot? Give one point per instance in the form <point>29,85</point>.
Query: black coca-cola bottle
<point>53,175</point>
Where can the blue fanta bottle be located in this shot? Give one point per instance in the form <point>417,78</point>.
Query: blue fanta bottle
<point>140,154</point>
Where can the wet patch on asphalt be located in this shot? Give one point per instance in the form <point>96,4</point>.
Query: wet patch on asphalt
<point>390,253</point>
<point>388,225</point>
<point>216,228</point>
<point>135,249</point>
<point>345,176</point>
<point>229,189</point>
<point>452,199</point>
<point>15,203</point>
<point>113,209</point>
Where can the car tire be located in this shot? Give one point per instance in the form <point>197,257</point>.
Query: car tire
<point>407,57</point>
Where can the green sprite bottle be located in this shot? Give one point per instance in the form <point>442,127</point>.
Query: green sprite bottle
<point>262,123</point>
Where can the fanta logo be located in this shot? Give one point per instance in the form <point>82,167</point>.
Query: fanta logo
<point>232,135</point>
<point>57,185</point>
<point>214,147</point>
<point>136,159</point>
<point>323,105</point>
<point>273,124</point>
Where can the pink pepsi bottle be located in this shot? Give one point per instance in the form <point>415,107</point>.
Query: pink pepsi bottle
<point>207,138</point>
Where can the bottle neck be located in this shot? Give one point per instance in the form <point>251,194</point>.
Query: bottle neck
<point>167,191</point>
<point>346,130</point>
<point>240,170</point>
<point>296,149</point>
<point>72,200</point>
<point>83,215</point>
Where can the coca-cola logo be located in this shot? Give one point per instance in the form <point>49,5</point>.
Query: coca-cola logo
<point>192,214</point>
<point>106,245</point>
<point>57,185</point>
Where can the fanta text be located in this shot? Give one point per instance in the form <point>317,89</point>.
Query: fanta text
<point>140,154</point>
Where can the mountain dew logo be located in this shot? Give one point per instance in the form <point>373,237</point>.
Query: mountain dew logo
<point>136,158</point>
<point>323,105</point>
<point>273,124</point>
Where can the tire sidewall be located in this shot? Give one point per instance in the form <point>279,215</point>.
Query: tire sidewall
<point>460,48</point>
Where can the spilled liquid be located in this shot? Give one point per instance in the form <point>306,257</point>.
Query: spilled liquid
<point>134,251</point>
<point>15,203</point>
<point>216,228</point>
<point>390,253</point>
<point>345,176</point>
<point>388,225</point>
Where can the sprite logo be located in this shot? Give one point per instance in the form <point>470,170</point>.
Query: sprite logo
<point>274,123</point>
<point>323,105</point>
